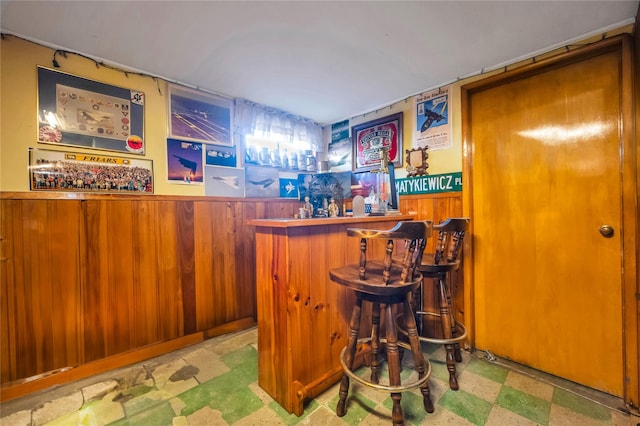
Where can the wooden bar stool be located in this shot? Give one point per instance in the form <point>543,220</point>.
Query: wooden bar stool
<point>438,265</point>
<point>387,285</point>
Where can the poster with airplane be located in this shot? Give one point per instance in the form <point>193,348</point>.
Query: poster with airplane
<point>184,162</point>
<point>198,116</point>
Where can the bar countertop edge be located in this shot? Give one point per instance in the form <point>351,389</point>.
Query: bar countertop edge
<point>293,223</point>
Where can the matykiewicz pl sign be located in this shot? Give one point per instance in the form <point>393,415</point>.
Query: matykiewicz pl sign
<point>429,184</point>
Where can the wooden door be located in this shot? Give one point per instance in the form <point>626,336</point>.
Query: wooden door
<point>546,175</point>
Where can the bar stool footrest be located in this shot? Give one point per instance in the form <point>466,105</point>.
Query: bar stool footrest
<point>461,330</point>
<point>394,389</point>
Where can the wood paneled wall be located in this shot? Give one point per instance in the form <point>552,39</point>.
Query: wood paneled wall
<point>95,277</point>
<point>95,282</point>
<point>437,208</point>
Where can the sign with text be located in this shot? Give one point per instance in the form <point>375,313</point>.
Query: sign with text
<point>430,184</point>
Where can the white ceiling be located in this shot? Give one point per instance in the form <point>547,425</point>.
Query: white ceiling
<point>324,60</point>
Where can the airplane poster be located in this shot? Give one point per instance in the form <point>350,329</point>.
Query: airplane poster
<point>223,182</point>
<point>261,182</point>
<point>433,128</point>
<point>184,162</point>
<point>199,116</point>
<point>288,185</point>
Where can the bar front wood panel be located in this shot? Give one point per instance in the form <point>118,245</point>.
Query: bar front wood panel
<point>101,280</point>
<point>302,314</point>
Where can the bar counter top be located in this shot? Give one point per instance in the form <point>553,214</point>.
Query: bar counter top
<point>295,223</point>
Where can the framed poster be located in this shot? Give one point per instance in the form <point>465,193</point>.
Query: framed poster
<point>339,152</point>
<point>261,182</point>
<point>184,162</point>
<point>199,117</point>
<point>221,155</point>
<point>74,171</point>
<point>223,181</point>
<point>79,112</point>
<point>371,137</point>
<point>433,128</point>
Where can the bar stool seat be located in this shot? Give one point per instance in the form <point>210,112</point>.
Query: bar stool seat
<point>438,266</point>
<point>387,285</point>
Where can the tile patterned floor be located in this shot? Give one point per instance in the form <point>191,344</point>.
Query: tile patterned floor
<point>215,383</point>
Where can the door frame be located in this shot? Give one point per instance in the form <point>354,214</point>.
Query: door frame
<point>629,187</point>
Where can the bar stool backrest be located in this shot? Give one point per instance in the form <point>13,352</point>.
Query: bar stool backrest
<point>449,242</point>
<point>414,233</point>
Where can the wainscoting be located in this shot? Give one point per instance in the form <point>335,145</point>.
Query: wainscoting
<point>95,282</point>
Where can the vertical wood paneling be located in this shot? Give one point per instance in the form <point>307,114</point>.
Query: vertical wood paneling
<point>437,208</point>
<point>245,250</point>
<point>66,220</point>
<point>95,267</point>
<point>87,279</point>
<point>9,211</point>
<point>165,227</point>
<point>42,290</point>
<point>186,263</point>
<point>145,274</point>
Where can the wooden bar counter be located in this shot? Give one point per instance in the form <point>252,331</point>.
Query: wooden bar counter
<point>302,314</point>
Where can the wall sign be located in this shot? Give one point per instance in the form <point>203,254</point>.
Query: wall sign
<point>371,137</point>
<point>430,184</point>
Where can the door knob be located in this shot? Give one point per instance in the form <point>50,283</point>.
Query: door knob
<point>606,231</point>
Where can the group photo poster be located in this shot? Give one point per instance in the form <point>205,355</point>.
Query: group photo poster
<point>81,172</point>
<point>433,127</point>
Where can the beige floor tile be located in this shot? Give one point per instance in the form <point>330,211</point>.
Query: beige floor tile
<point>177,405</point>
<point>529,385</point>
<point>560,416</point>
<point>443,417</point>
<point>501,417</point>
<point>479,386</point>
<point>264,416</point>
<point>180,421</point>
<point>207,362</point>
<point>619,419</point>
<point>98,390</point>
<point>323,416</point>
<point>206,417</point>
<point>19,418</point>
<point>58,407</point>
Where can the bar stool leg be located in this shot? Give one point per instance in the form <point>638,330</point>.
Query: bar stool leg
<point>454,330</point>
<point>352,342</point>
<point>375,341</point>
<point>418,356</point>
<point>393,361</point>
<point>446,321</point>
